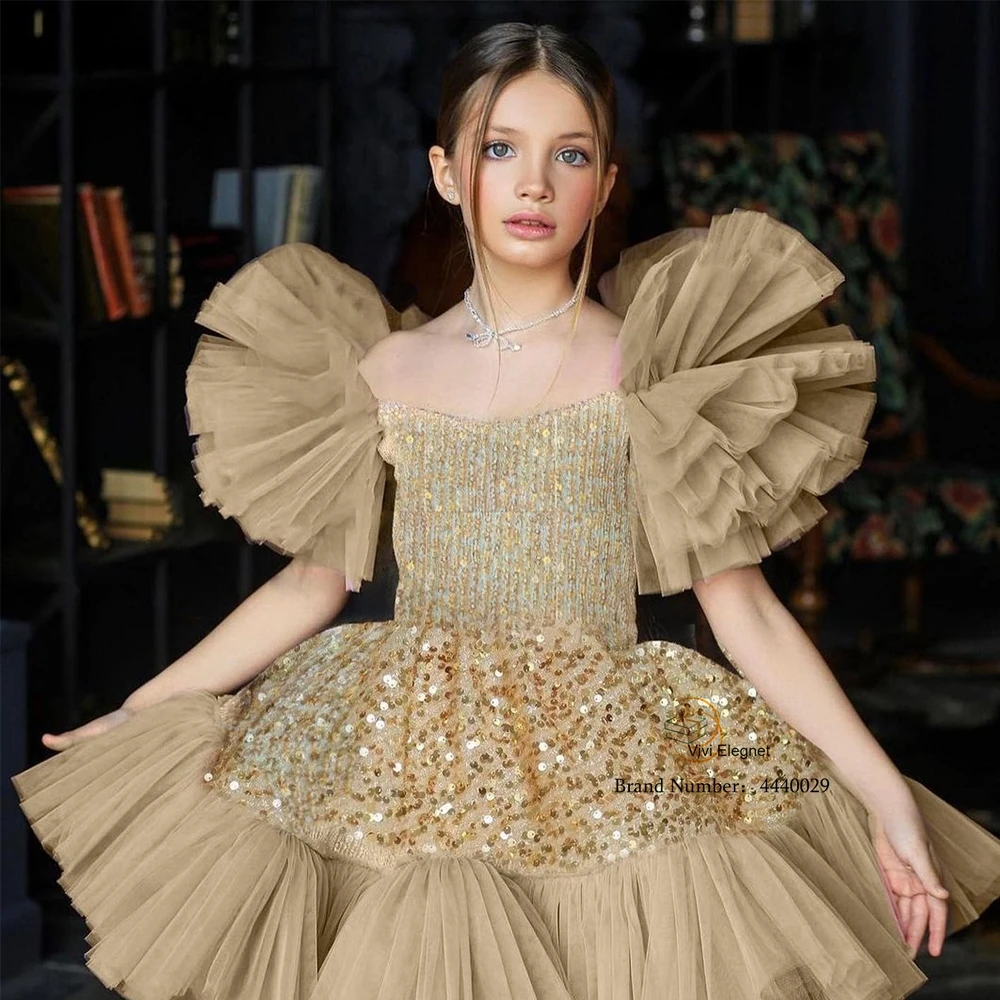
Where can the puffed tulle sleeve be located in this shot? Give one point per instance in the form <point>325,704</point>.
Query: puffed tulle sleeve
<point>742,405</point>
<point>286,426</point>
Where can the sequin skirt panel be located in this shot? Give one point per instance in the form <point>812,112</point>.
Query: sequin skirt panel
<point>540,750</point>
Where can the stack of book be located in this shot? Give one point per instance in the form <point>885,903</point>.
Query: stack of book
<point>144,252</point>
<point>140,505</point>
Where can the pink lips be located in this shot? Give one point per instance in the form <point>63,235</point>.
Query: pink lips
<point>532,217</point>
<point>521,225</point>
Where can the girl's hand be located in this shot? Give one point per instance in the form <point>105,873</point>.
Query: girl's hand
<point>911,876</point>
<point>63,741</point>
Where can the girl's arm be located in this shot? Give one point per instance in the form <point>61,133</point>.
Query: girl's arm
<point>769,646</point>
<point>778,658</point>
<point>293,605</point>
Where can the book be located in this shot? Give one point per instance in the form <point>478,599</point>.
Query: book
<point>753,21</point>
<point>30,246</point>
<point>134,532</point>
<point>133,484</point>
<point>138,497</point>
<point>132,279</point>
<point>303,208</point>
<point>208,256</point>
<point>156,513</point>
<point>144,255</point>
<point>275,190</point>
<point>114,301</point>
<point>296,206</point>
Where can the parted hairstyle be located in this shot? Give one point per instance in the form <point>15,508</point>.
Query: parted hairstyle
<point>479,71</point>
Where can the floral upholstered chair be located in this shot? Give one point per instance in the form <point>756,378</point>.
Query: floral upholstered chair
<point>839,192</point>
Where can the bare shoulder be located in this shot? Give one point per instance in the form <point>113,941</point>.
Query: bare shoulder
<point>388,364</point>
<point>604,322</point>
<point>604,327</point>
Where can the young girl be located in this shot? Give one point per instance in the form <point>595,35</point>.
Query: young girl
<point>500,794</point>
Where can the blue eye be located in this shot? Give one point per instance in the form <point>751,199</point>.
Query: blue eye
<point>491,145</point>
<point>583,161</point>
<point>578,152</point>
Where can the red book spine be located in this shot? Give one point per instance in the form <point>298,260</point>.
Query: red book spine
<point>113,301</point>
<point>136,293</point>
<point>30,192</point>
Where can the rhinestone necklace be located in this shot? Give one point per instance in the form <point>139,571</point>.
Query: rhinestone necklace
<point>488,335</point>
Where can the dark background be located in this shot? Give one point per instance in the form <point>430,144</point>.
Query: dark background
<point>922,73</point>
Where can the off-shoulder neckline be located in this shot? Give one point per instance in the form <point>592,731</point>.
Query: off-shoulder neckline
<point>516,418</point>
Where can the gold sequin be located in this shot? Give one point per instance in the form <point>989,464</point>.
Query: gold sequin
<point>495,715</point>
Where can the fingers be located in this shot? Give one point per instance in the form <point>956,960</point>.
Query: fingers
<point>63,741</point>
<point>905,914</point>
<point>927,903</point>
<point>926,870</point>
<point>96,727</point>
<point>927,915</point>
<point>59,741</point>
<point>938,925</point>
<point>917,924</point>
<point>927,873</point>
<point>914,886</point>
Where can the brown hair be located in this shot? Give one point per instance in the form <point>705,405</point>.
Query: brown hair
<point>483,66</point>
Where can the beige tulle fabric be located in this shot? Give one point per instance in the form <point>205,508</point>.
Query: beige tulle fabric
<point>422,808</point>
<point>743,406</point>
<point>284,423</point>
<point>190,895</point>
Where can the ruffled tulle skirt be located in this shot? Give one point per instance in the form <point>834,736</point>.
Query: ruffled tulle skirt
<point>286,887</point>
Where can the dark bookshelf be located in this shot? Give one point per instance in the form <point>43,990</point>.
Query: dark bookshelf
<point>797,65</point>
<point>49,331</point>
<point>35,557</point>
<point>180,77</point>
<point>54,555</point>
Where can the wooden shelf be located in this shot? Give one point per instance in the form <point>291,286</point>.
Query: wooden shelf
<point>803,42</point>
<point>47,330</point>
<point>179,77</point>
<point>190,76</point>
<point>36,558</point>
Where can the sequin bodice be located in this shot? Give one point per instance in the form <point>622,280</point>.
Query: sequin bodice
<point>513,521</point>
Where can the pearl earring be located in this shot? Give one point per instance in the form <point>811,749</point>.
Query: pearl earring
<point>451,195</point>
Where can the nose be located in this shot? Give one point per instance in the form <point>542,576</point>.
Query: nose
<point>534,184</point>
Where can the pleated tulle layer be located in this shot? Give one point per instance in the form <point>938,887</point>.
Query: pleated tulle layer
<point>285,424</point>
<point>743,405</point>
<point>188,893</point>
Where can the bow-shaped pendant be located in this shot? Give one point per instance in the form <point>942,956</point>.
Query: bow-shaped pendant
<point>485,338</point>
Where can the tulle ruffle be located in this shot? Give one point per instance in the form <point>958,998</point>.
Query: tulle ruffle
<point>742,405</point>
<point>189,893</point>
<point>286,425</point>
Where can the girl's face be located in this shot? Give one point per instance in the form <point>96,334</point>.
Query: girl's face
<point>538,155</point>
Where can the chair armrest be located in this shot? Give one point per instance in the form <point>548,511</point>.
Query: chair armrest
<point>979,386</point>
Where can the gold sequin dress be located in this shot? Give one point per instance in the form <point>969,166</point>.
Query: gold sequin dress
<point>500,794</point>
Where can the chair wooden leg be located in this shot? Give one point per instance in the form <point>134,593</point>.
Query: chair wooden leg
<point>916,655</point>
<point>913,599</point>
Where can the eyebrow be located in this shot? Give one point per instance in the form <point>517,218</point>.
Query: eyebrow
<point>516,131</point>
